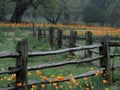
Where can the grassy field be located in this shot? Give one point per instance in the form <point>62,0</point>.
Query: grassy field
<point>9,44</point>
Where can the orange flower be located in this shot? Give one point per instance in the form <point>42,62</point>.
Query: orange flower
<point>70,87</point>
<point>67,82</point>
<point>59,78</point>
<point>52,76</point>
<point>38,72</point>
<point>85,78</point>
<point>54,84</point>
<point>73,80</point>
<point>43,77</point>
<point>19,84</point>
<point>50,81</point>
<point>104,81</point>
<point>56,87</point>
<point>42,85</point>
<point>33,86</point>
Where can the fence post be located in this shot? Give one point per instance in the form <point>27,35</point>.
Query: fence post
<point>88,36</point>
<point>39,34</point>
<point>51,36</point>
<point>72,41</point>
<point>59,38</point>
<point>105,61</point>
<point>44,31</point>
<point>34,30</point>
<point>21,76</point>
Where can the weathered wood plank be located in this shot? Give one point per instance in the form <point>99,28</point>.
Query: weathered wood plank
<point>114,55</point>
<point>115,67</point>
<point>21,76</point>
<point>94,51</point>
<point>59,38</point>
<point>51,37</point>
<point>88,36</point>
<point>105,62</point>
<point>64,63</point>
<point>10,71</point>
<point>6,54</point>
<point>8,88</point>
<point>31,54</point>
<point>114,43</point>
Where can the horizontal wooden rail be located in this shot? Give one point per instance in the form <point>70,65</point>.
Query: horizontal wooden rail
<point>64,63</point>
<point>10,71</point>
<point>114,55</point>
<point>115,67</point>
<point>9,54</point>
<point>8,88</point>
<point>31,54</point>
<point>89,73</point>
<point>114,43</point>
<point>94,51</point>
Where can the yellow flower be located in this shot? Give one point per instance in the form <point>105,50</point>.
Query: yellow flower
<point>104,81</point>
<point>73,80</point>
<point>96,74</point>
<point>42,85</point>
<point>54,84</point>
<point>5,77</point>
<point>70,75</point>
<point>52,76</point>
<point>61,86</point>
<point>56,87</point>
<point>67,82</point>
<point>70,87</point>
<point>91,69</point>
<point>33,86</point>
<point>29,73</point>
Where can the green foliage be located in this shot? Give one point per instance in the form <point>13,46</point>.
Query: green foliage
<point>93,14</point>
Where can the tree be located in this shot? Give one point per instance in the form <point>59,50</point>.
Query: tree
<point>21,6</point>
<point>53,11</point>
<point>93,14</point>
<point>3,7</point>
<point>114,13</point>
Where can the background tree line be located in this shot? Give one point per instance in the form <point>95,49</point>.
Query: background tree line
<point>100,12</point>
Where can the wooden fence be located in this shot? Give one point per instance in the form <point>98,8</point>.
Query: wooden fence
<point>58,36</point>
<point>22,56</point>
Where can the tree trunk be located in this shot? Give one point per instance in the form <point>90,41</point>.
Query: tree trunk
<point>2,15</point>
<point>66,18</point>
<point>19,12</point>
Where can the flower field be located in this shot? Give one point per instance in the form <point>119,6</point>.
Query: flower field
<point>81,29</point>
